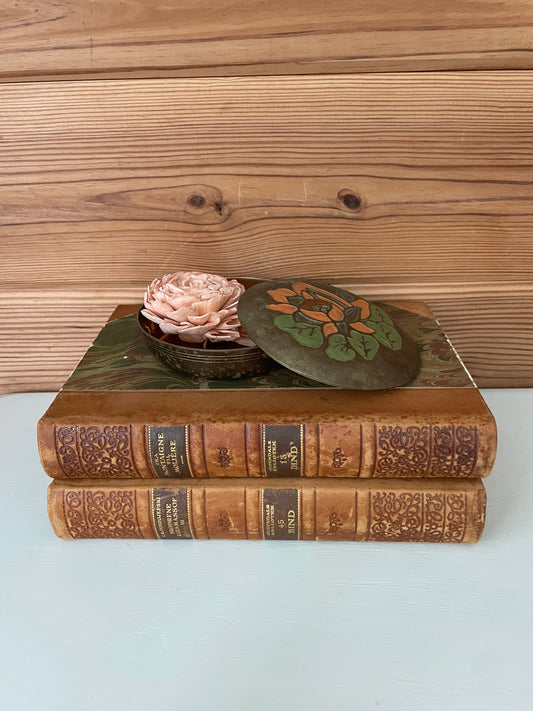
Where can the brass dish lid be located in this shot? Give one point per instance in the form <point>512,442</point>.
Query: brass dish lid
<point>328,334</point>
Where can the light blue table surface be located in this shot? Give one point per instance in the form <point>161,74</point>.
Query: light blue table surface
<point>201,625</point>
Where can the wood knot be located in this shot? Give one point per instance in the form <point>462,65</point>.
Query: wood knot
<point>349,199</point>
<point>196,200</point>
<point>203,204</point>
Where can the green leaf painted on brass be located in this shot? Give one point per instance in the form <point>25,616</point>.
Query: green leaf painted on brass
<point>364,344</point>
<point>338,348</point>
<point>378,315</point>
<point>305,334</point>
<point>386,334</point>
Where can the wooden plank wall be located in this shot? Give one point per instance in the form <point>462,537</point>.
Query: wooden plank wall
<point>413,184</point>
<point>128,38</point>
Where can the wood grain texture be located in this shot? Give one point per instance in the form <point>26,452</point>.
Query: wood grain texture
<point>88,38</point>
<point>423,177</point>
<point>401,185</point>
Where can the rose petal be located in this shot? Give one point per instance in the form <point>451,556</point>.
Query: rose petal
<point>230,321</point>
<point>228,334</point>
<point>194,334</point>
<point>164,310</point>
<point>245,341</point>
<point>196,305</point>
<point>179,316</point>
<point>151,316</point>
<point>205,320</point>
<point>214,303</point>
<point>223,336</point>
<point>180,300</point>
<point>169,327</point>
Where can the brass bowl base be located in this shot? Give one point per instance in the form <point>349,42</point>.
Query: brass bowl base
<point>230,360</point>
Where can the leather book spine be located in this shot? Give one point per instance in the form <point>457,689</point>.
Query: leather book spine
<point>422,510</point>
<point>403,447</point>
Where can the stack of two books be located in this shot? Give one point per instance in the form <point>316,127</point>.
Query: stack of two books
<point>138,451</point>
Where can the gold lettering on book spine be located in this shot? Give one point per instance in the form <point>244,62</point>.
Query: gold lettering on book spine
<point>97,452</point>
<point>414,516</point>
<point>101,514</point>
<point>428,450</point>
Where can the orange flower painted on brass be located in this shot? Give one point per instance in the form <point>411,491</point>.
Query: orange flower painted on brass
<point>281,296</point>
<point>319,305</point>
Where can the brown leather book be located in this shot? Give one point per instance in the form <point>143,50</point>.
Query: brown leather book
<point>430,510</point>
<point>123,414</point>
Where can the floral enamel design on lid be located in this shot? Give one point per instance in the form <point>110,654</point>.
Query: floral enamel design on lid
<point>328,334</point>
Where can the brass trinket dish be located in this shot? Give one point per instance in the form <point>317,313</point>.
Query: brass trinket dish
<point>189,321</point>
<point>206,325</point>
<point>220,360</point>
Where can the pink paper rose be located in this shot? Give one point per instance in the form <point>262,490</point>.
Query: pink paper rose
<point>197,307</point>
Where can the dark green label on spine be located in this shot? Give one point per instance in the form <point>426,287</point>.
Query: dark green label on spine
<point>168,451</point>
<point>171,513</point>
<point>283,450</point>
<point>281,514</point>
